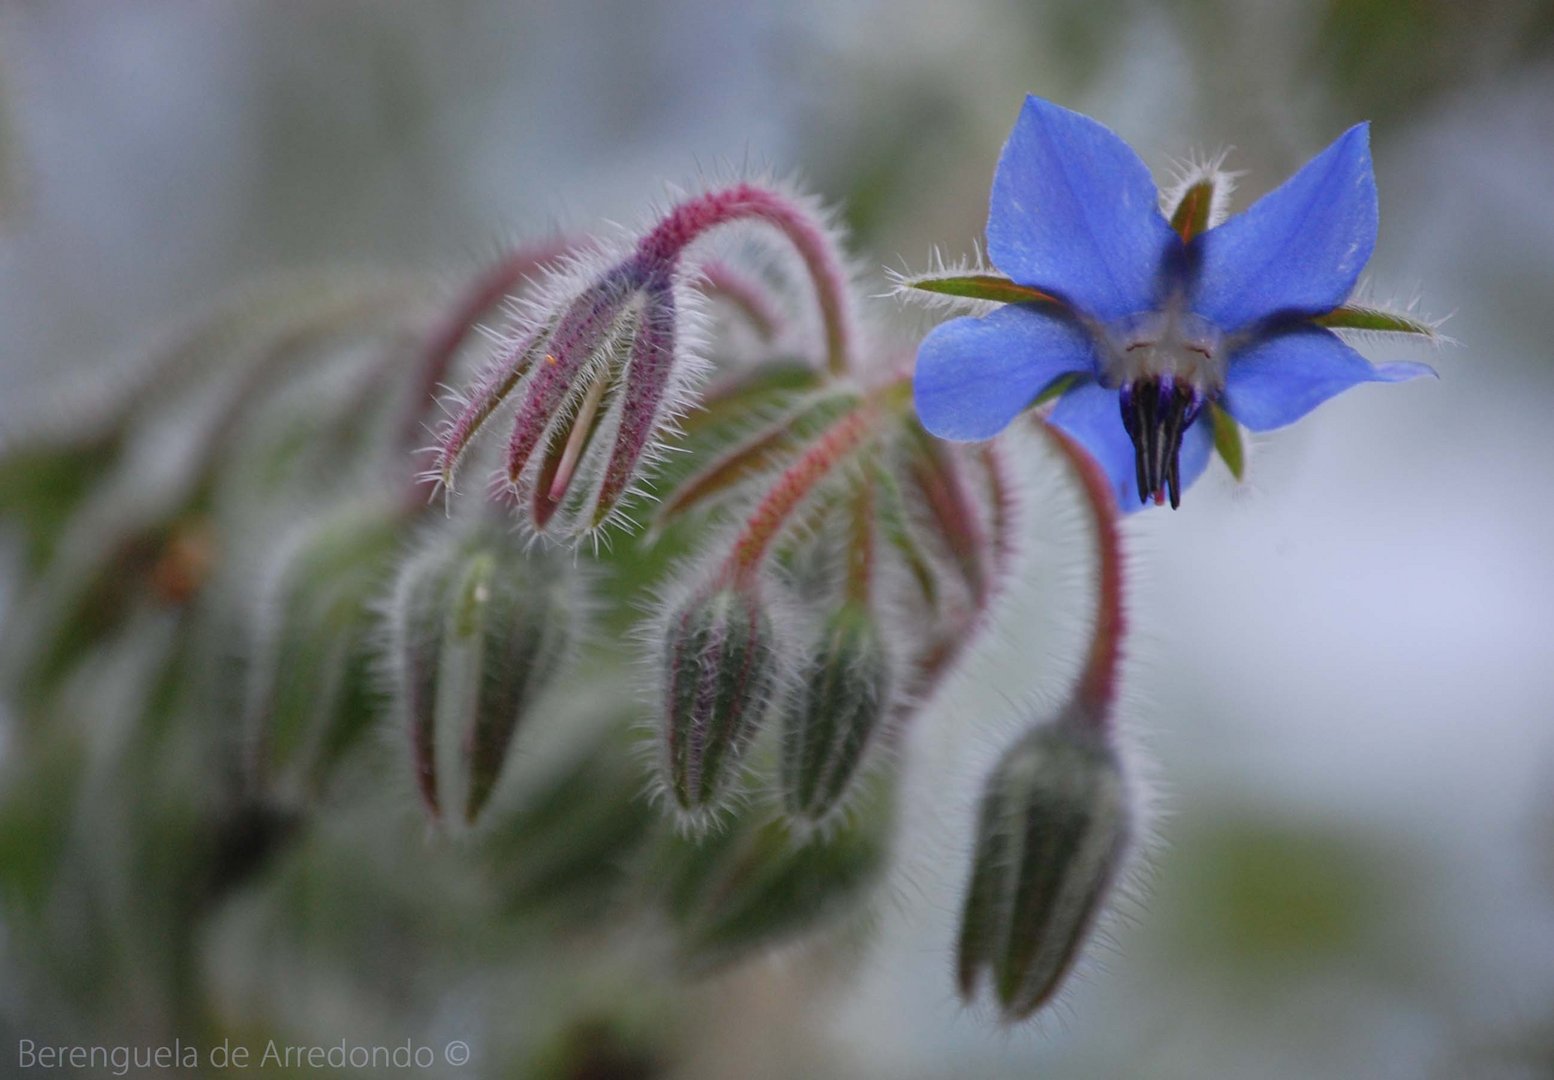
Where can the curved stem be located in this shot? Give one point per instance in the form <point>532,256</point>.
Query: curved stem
<point>766,522</point>
<point>695,217</point>
<point>1002,500</point>
<point>860,543</point>
<point>939,480</point>
<point>1098,683</point>
<point>745,294</point>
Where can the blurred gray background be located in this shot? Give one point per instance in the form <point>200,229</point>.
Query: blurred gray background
<point>1343,670</point>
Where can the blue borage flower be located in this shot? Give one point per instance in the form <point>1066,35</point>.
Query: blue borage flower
<point>1145,323</point>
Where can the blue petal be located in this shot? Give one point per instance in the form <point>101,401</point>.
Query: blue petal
<point>1075,213</point>
<point>1091,414</point>
<point>1281,378</point>
<point>1299,249</point>
<point>975,375</point>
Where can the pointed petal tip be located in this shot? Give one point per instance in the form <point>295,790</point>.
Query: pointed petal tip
<point>1074,212</point>
<point>1300,249</point>
<point>1281,378</point>
<point>1405,370</point>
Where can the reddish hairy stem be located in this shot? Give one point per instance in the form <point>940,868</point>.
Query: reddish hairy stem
<point>745,294</point>
<point>784,496</point>
<point>860,545</point>
<point>695,217</point>
<point>1002,497</point>
<point>1098,683</point>
<point>943,488</point>
<point>724,471</point>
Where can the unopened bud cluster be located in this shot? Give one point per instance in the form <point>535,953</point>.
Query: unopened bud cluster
<point>658,673</point>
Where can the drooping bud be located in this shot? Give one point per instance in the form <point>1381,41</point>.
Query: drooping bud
<point>720,668</point>
<point>600,374</point>
<point>564,372</point>
<point>479,629</point>
<point>596,380</point>
<point>758,884</point>
<point>842,695</point>
<point>1051,832</point>
<point>312,691</point>
<point>605,367</point>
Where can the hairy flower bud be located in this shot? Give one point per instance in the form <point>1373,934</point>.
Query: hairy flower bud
<point>601,368</point>
<point>757,884</point>
<point>312,693</point>
<point>596,379</point>
<point>1052,829</point>
<point>720,667</point>
<point>842,694</point>
<point>479,629</point>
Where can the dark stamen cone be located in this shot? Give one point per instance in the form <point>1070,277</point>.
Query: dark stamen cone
<point>1156,414</point>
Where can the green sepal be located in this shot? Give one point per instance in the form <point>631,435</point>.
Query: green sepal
<point>1229,443</point>
<point>1377,321</point>
<point>993,288</point>
<point>314,692</point>
<point>1191,214</point>
<point>480,628</point>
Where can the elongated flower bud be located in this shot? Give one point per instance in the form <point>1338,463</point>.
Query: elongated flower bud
<point>1051,832</point>
<point>595,380</point>
<point>312,691</point>
<point>479,630</point>
<point>602,368</point>
<point>842,695</point>
<point>720,667</point>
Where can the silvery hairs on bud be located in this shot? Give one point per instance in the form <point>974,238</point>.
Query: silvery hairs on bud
<point>838,703</point>
<point>719,655</point>
<point>478,628</point>
<point>1052,833</point>
<point>602,353</point>
<point>607,350</point>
